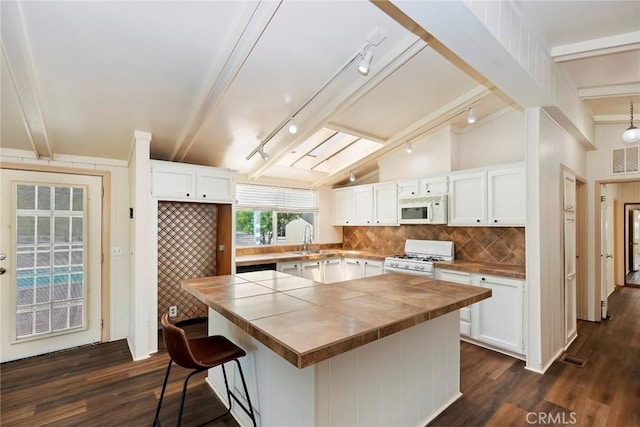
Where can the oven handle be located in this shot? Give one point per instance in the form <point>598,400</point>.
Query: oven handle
<point>388,269</point>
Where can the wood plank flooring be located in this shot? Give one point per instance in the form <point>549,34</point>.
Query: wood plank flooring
<point>100,385</point>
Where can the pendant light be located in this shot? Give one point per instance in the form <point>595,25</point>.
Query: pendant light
<point>409,148</point>
<point>352,176</point>
<point>632,134</point>
<point>471,117</point>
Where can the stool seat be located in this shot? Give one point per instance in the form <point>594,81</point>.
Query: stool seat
<point>200,354</point>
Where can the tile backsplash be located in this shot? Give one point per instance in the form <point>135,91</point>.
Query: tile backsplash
<point>502,245</point>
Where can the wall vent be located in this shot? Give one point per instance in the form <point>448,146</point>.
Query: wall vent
<point>625,160</point>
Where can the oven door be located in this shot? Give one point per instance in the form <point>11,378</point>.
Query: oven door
<point>405,271</point>
<point>414,214</point>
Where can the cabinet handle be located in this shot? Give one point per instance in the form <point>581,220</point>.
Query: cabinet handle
<point>204,196</point>
<point>187,194</point>
<point>428,191</point>
<point>477,220</point>
<point>412,193</point>
<point>495,220</point>
<point>378,222</point>
<point>367,222</point>
<point>482,279</point>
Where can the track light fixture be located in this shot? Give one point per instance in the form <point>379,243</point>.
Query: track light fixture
<point>632,134</point>
<point>471,117</point>
<point>409,148</point>
<point>365,64</point>
<point>352,176</point>
<point>292,126</point>
<point>263,154</point>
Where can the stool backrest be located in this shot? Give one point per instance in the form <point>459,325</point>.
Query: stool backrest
<point>177,345</point>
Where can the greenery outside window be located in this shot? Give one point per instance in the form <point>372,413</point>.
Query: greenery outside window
<point>274,215</point>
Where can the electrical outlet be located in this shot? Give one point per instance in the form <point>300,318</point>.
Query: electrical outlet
<point>173,311</point>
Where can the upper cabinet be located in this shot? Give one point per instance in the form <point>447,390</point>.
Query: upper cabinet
<point>181,181</point>
<point>409,188</point>
<point>423,187</point>
<point>375,204</point>
<point>468,199</point>
<point>496,196</point>
<point>507,196</point>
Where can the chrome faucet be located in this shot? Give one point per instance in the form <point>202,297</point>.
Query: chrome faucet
<point>306,239</point>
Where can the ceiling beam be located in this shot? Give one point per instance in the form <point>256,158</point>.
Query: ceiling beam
<point>612,91</point>
<point>237,54</point>
<point>596,47</point>
<point>16,51</point>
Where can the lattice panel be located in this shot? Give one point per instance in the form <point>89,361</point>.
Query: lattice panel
<point>186,249</point>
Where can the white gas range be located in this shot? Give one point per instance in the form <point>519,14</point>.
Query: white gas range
<point>419,256</point>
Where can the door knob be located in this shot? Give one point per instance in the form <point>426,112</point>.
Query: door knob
<point>2,270</point>
<point>3,257</point>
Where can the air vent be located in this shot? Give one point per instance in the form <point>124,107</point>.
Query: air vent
<point>625,160</point>
<point>571,359</point>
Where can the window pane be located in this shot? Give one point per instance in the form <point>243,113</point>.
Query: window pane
<point>44,229</point>
<point>63,198</point>
<point>78,199</point>
<point>26,197</point>
<point>254,228</point>
<point>44,198</point>
<point>295,228</point>
<point>26,230</point>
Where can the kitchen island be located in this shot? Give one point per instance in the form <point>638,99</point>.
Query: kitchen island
<point>377,351</point>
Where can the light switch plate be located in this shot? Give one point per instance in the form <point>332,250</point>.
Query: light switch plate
<point>116,251</point>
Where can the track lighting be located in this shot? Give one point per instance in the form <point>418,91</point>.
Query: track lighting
<point>409,148</point>
<point>263,154</point>
<point>632,134</point>
<point>365,64</point>
<point>471,117</point>
<point>352,176</point>
<point>292,126</point>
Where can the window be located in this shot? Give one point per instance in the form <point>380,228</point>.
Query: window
<point>274,215</point>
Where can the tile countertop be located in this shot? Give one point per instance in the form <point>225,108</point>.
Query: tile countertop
<point>271,257</point>
<point>505,270</point>
<point>306,322</point>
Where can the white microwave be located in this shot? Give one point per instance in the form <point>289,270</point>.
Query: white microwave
<point>422,209</point>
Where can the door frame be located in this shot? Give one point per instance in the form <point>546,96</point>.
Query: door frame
<point>628,207</point>
<point>105,228</point>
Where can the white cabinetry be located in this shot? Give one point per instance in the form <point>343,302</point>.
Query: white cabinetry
<point>342,206</point>
<point>181,181</point>
<point>332,270</point>
<point>468,199</point>
<point>507,196</point>
<point>496,196</point>
<point>311,270</point>
<point>385,204</point>
<point>409,188</point>
<point>372,268</point>
<point>363,205</point>
<point>497,321</point>
<point>292,268</point>
<point>375,204</point>
<point>351,269</point>
<point>433,186</point>
<point>465,312</point>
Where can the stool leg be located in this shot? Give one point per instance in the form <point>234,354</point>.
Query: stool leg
<point>184,393</point>
<point>246,393</point>
<point>226,385</point>
<point>156,421</point>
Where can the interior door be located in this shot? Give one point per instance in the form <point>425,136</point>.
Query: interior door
<point>51,239</point>
<point>634,227</point>
<point>570,277</point>
<point>606,257</point>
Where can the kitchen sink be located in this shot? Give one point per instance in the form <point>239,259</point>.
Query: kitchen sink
<point>312,252</point>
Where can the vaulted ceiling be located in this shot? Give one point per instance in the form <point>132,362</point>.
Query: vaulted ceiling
<point>215,81</point>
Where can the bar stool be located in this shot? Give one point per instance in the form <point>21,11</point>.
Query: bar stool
<point>201,354</point>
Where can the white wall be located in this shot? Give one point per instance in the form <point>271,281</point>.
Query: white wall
<point>548,146</point>
<point>119,235</point>
<point>496,140</point>
<point>432,155</point>
<point>326,233</point>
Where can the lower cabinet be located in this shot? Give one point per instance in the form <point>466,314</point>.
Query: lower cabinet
<point>332,270</point>
<point>496,322</point>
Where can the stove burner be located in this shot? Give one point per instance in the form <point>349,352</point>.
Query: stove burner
<point>423,258</point>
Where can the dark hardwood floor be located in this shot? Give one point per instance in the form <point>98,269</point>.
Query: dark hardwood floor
<point>100,385</point>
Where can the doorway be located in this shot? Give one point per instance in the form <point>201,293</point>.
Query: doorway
<point>51,287</point>
<point>632,244</point>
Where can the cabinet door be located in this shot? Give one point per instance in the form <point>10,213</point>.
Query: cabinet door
<point>454,276</point>
<point>173,180</point>
<point>467,204</point>
<point>433,186</point>
<point>292,268</point>
<point>498,320</point>
<point>214,186</point>
<point>569,191</point>
<point>409,188</point>
<point>363,205</point>
<point>311,270</point>
<point>342,206</point>
<point>507,197</point>
<point>351,269</point>
<point>385,202</point>
<point>372,268</point>
<point>332,270</point>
